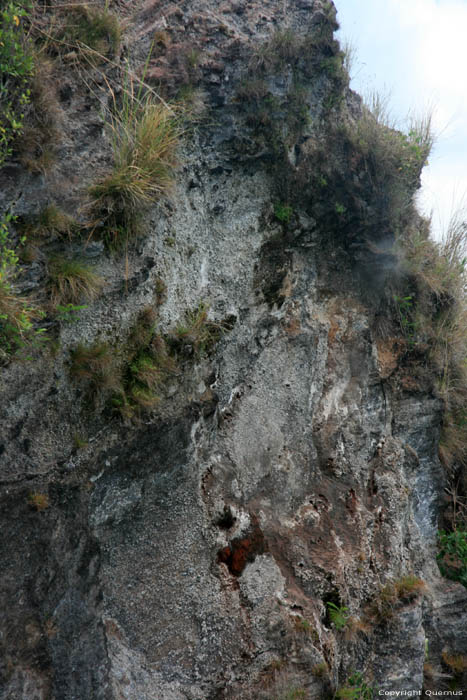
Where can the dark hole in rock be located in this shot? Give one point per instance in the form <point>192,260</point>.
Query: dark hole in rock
<point>226,519</point>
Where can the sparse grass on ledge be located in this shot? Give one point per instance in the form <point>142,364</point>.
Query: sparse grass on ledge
<point>198,335</point>
<point>72,280</point>
<point>144,140</point>
<point>83,26</point>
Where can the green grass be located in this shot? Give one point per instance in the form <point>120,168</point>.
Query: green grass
<point>452,555</point>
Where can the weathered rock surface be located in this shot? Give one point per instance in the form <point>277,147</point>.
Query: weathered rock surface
<point>192,556</point>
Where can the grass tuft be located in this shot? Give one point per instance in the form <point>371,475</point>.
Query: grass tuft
<point>38,501</point>
<point>144,138</point>
<point>82,26</point>
<point>94,366</point>
<point>197,335</point>
<point>71,281</point>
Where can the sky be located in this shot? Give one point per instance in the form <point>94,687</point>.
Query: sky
<point>415,51</point>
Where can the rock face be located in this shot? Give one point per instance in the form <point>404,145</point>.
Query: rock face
<point>199,553</point>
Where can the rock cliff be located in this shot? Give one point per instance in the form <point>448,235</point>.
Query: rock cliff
<point>267,529</point>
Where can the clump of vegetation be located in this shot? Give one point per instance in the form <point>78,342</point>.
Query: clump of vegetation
<point>283,212</point>
<point>39,501</point>
<point>339,615</point>
<point>144,139</point>
<point>36,147</point>
<point>452,555</point>
<point>320,670</point>
<point>393,594</point>
<point>16,69</point>
<point>147,367</point>
<point>356,688</point>
<point>83,27</point>
<point>17,314</point>
<point>96,367</point>
<point>434,314</point>
<point>281,684</point>
<point>71,281</point>
<point>50,222</point>
<point>197,335</point>
<point>455,662</point>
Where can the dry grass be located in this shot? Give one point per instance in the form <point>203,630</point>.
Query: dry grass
<point>145,138</point>
<point>38,501</point>
<point>82,27</point>
<point>72,281</point>
<point>96,367</point>
<point>455,662</point>
<point>41,131</point>
<point>437,274</point>
<point>198,335</point>
<point>51,222</point>
<point>401,591</point>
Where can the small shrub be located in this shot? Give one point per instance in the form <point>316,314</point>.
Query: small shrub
<point>16,68</point>
<point>79,442</point>
<point>68,313</point>
<point>38,501</point>
<point>320,670</point>
<point>148,366</point>
<point>144,137</point>
<point>452,555</point>
<point>72,280</point>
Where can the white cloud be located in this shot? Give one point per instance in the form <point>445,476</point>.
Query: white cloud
<point>417,50</point>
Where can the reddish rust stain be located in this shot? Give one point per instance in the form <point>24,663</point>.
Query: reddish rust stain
<point>243,549</point>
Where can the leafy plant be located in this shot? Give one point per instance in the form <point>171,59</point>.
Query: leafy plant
<point>355,689</point>
<point>16,68</point>
<point>283,212</point>
<point>68,313</point>
<point>452,555</point>
<point>338,615</point>
<point>17,314</point>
